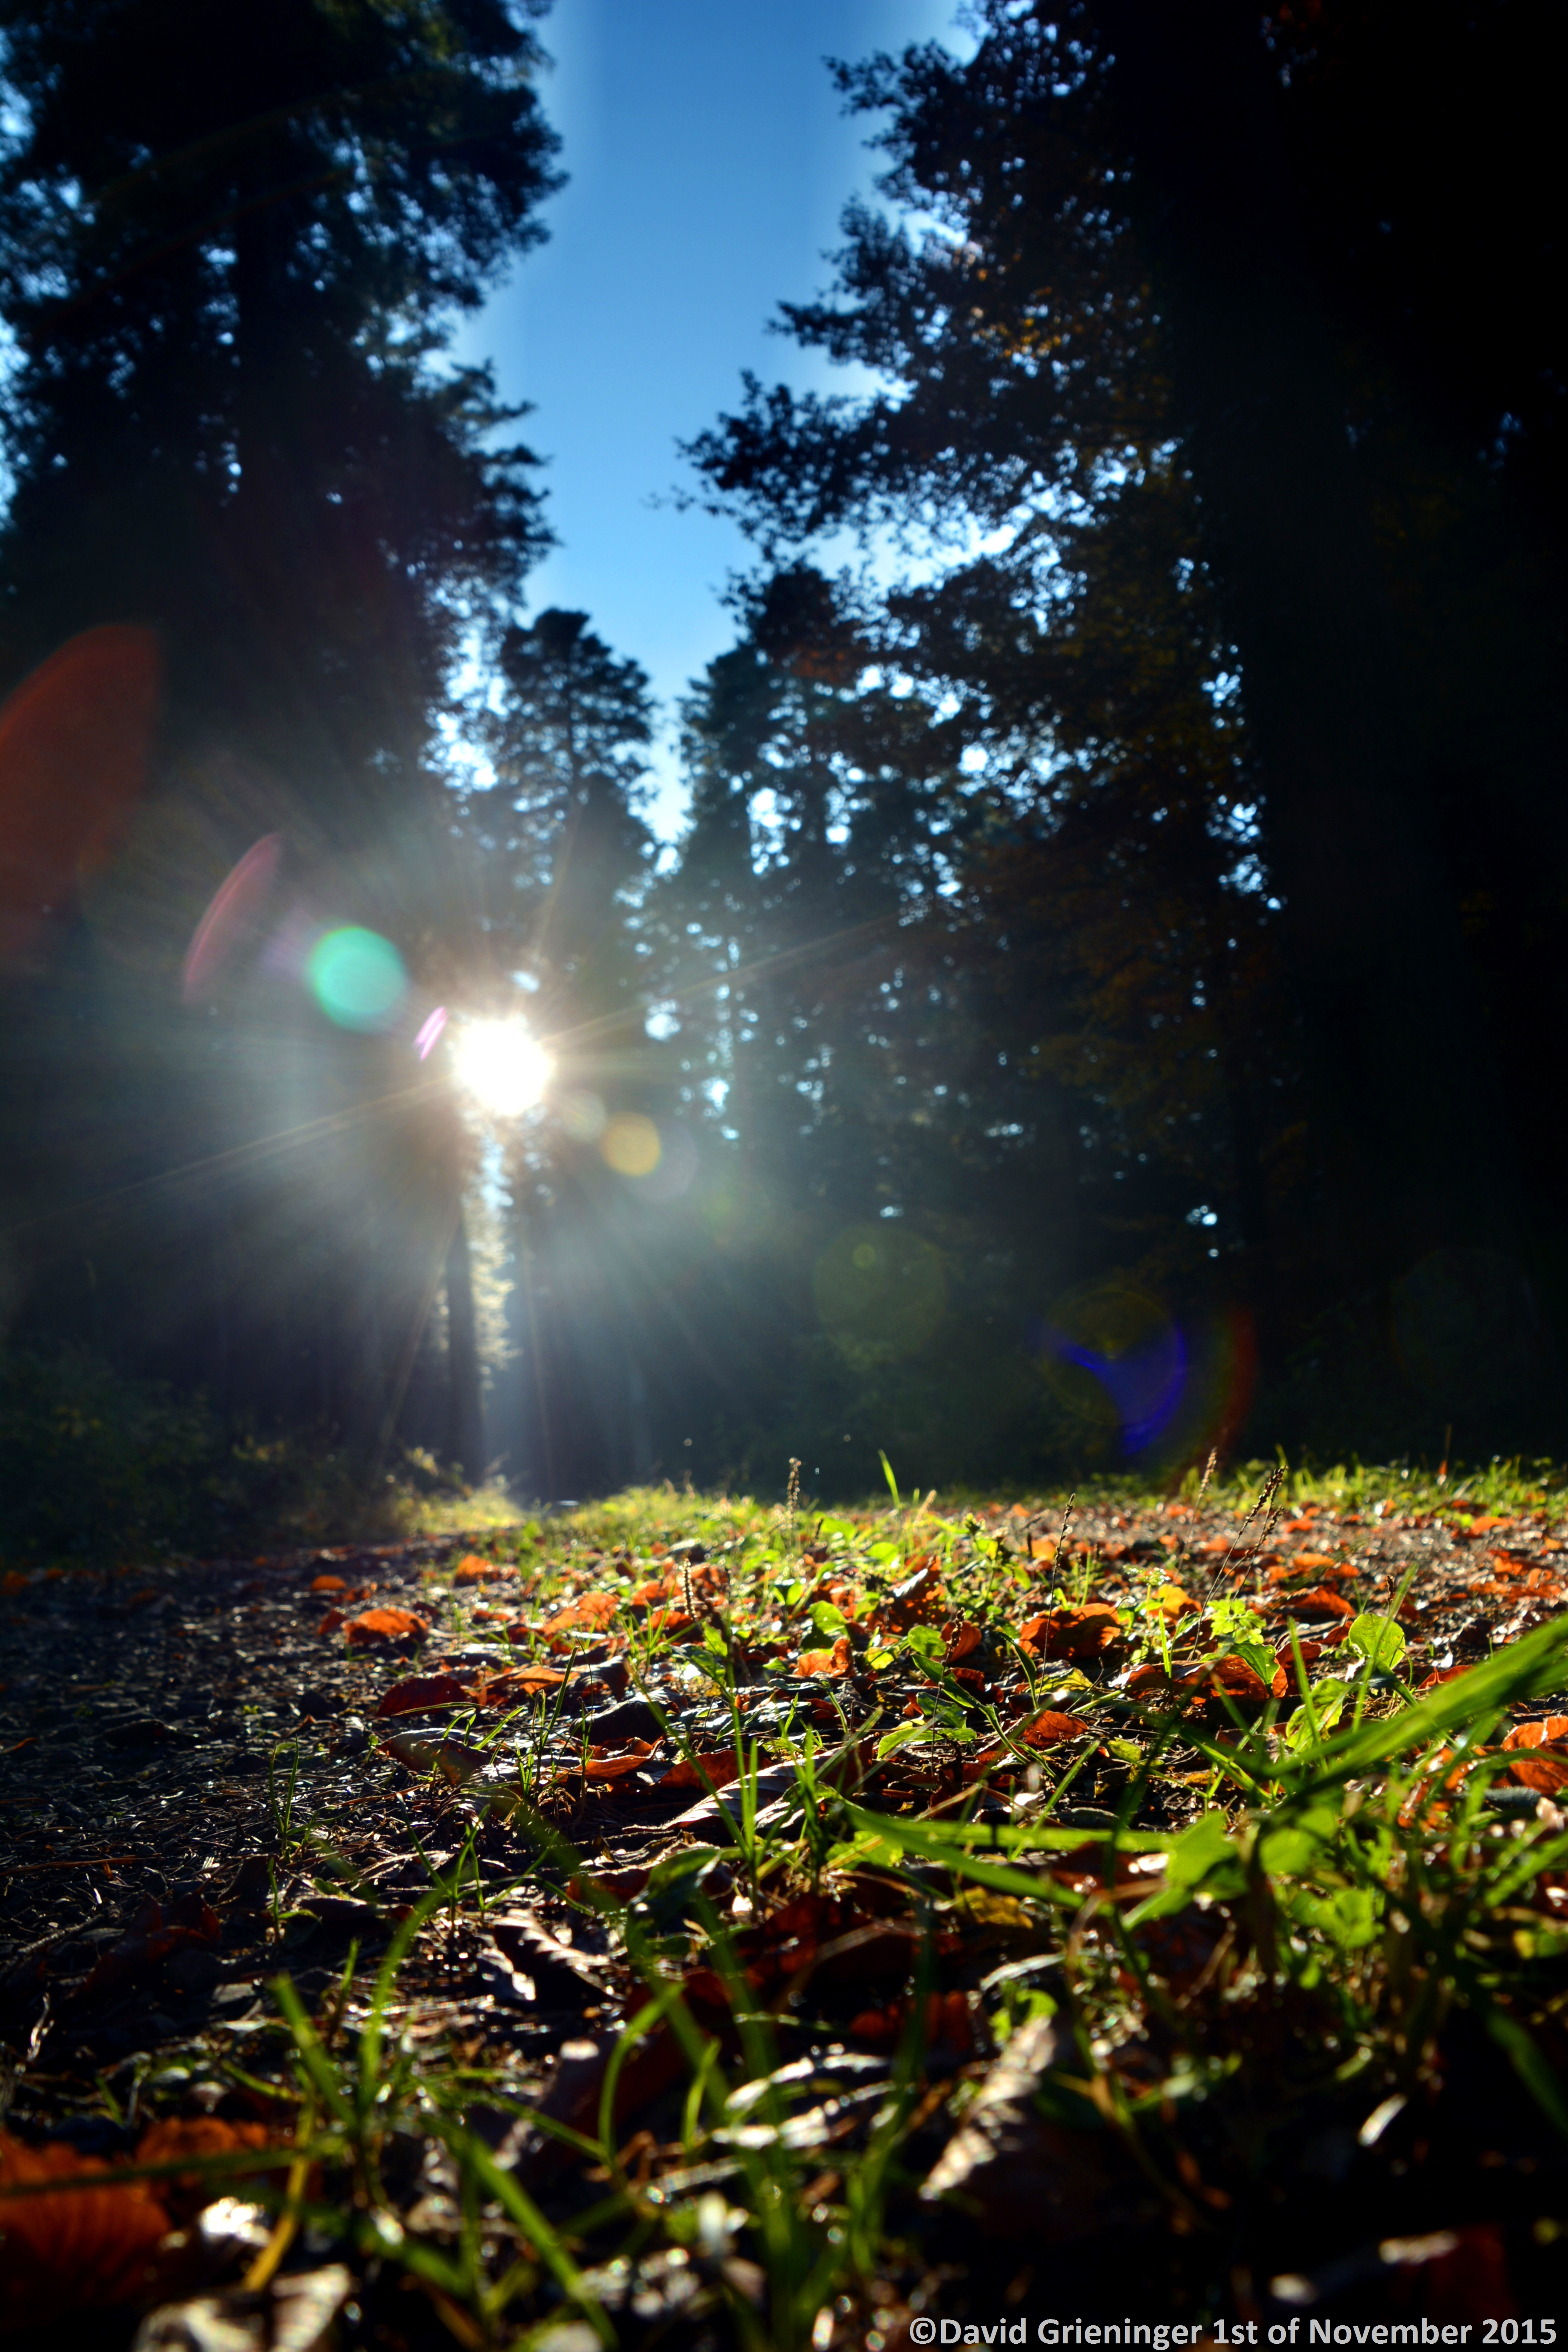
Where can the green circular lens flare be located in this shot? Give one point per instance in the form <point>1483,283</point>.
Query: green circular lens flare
<point>357,977</point>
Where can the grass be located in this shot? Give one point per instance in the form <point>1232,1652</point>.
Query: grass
<point>1286,1907</point>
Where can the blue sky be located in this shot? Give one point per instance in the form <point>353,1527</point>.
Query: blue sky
<point>709,161</point>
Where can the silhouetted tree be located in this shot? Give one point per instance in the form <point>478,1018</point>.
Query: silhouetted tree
<point>231,248</point>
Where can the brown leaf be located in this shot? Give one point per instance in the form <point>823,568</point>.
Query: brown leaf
<point>593,1610</point>
<point>516,1684</point>
<point>421,1691</point>
<point>1015,2172</point>
<point>1048,1729</point>
<point>472,1570</point>
<point>917,1601</point>
<point>836,1662</point>
<point>608,1764</point>
<point>721,1767</point>
<point>388,1629</point>
<point>1319,1600</point>
<point>1544,1732</point>
<point>1236,1679</point>
<point>197,2136</point>
<point>1070,1633</point>
<point>75,2249</point>
<point>962,1636</point>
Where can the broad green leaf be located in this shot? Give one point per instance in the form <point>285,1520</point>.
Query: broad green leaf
<point>1378,1638</point>
<point>1311,1724</point>
<point>1349,1916</point>
<point>1203,1848</point>
<point>926,1644</point>
<point>827,1619</point>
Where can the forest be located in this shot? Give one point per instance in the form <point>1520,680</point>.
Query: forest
<point>1100,1009</point>
<point>799,1589</point>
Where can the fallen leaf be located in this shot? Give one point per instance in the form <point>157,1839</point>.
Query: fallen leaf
<point>422,1691</point>
<point>1016,2172</point>
<point>511,1687</point>
<point>1544,1732</point>
<point>388,1629</point>
<point>721,1767</point>
<point>1234,1678</point>
<point>197,2136</point>
<point>472,1570</point>
<point>948,2024</point>
<point>1070,1633</point>
<point>1172,1602</point>
<point>328,1585</point>
<point>610,1764</point>
<point>1049,1729</point>
<point>1319,1600</point>
<point>835,1661</point>
<point>593,1610</point>
<point>76,2249</point>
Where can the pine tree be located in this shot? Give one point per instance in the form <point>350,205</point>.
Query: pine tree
<point>231,249</point>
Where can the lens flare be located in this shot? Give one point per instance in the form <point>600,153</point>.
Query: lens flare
<point>357,977</point>
<point>631,1145</point>
<point>429,1036</point>
<point>583,1115</point>
<point>502,1064</point>
<point>1111,1354</point>
<point>75,742</point>
<point>232,917</point>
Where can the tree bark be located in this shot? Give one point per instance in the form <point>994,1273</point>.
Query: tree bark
<point>465,1399</point>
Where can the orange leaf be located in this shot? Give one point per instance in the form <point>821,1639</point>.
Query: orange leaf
<point>721,1767</point>
<point>197,2136</point>
<point>379,1627</point>
<point>518,1682</point>
<point>328,1585</point>
<point>960,1636</point>
<point>607,1764</point>
<point>1048,1729</point>
<point>421,1691</point>
<point>1314,1560</point>
<point>1173,1602</point>
<point>1544,1732</point>
<point>1319,1600</point>
<point>835,1661</point>
<point>1070,1633</point>
<point>77,2250</point>
<point>472,1570</point>
<point>1545,1771</point>
<point>593,1610</point>
<point>330,1623</point>
<point>1236,1679</point>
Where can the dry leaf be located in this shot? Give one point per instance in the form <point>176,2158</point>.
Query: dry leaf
<point>76,2249</point>
<point>388,1629</point>
<point>836,1662</point>
<point>422,1691</point>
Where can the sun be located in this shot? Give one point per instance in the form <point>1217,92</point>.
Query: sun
<point>502,1064</point>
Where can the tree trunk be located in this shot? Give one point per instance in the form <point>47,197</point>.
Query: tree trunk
<point>465,1402</point>
<point>1390,1006</point>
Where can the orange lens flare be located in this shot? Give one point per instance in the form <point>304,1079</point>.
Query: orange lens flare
<point>75,739</point>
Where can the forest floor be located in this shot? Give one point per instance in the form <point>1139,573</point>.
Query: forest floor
<point>694,1922</point>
